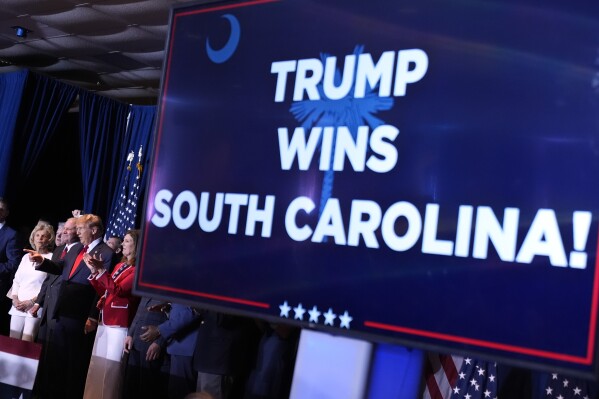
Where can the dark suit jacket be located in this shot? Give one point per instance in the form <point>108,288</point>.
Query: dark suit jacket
<point>144,317</point>
<point>77,298</point>
<point>48,296</point>
<point>10,255</point>
<point>225,344</point>
<point>50,279</point>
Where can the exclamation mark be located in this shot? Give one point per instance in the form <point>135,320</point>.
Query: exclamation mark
<point>581,223</point>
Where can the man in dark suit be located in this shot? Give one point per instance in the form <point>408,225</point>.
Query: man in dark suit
<point>180,330</point>
<point>10,256</point>
<point>147,365</point>
<point>48,295</point>
<point>74,318</point>
<point>47,300</point>
<point>224,351</point>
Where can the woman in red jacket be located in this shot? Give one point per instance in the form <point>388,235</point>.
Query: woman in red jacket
<point>118,306</point>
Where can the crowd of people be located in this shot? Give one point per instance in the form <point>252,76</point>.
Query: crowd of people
<point>72,292</point>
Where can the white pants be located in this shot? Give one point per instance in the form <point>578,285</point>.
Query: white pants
<point>24,328</point>
<point>105,373</point>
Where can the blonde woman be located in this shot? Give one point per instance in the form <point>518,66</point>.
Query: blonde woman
<point>26,285</point>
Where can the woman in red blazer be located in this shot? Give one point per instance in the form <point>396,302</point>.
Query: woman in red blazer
<point>118,306</point>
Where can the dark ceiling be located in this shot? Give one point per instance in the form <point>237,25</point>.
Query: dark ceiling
<point>113,47</point>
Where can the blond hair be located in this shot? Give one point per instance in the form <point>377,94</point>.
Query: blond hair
<point>48,229</point>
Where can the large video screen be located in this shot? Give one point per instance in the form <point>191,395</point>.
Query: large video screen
<point>422,172</point>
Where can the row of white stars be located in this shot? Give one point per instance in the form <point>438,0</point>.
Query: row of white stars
<point>577,391</point>
<point>329,317</point>
<point>468,396</point>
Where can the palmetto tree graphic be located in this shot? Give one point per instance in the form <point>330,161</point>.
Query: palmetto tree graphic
<point>348,111</point>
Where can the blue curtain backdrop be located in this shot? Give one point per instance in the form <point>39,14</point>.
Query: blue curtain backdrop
<point>11,90</point>
<point>47,101</point>
<point>31,108</point>
<point>102,128</point>
<point>132,173</point>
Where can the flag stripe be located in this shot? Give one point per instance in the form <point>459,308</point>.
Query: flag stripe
<point>19,361</point>
<point>432,389</point>
<point>19,371</point>
<point>440,375</point>
<point>450,369</point>
<point>20,348</point>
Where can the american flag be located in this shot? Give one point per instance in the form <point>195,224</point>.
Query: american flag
<point>123,216</point>
<point>476,379</point>
<point>562,387</point>
<point>440,375</point>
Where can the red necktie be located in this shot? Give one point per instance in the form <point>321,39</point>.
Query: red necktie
<point>64,252</point>
<point>78,260</point>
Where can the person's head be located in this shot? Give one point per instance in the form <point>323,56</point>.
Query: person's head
<point>89,228</point>
<point>114,242</point>
<point>59,230</point>
<point>130,246</point>
<point>69,231</point>
<point>42,238</point>
<point>3,210</point>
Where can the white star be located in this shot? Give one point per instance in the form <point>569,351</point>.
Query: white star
<point>481,371</point>
<point>554,376</point>
<point>492,378</point>
<point>467,396</point>
<point>585,397</point>
<point>345,320</point>
<point>472,382</point>
<point>456,390</point>
<point>560,397</point>
<point>329,317</point>
<point>577,391</point>
<point>314,315</point>
<point>487,393</point>
<point>467,360</point>
<point>566,382</point>
<point>285,308</point>
<point>462,375</point>
<point>549,390</point>
<point>299,312</point>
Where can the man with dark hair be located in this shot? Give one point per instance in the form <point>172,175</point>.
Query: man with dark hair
<point>115,242</point>
<point>10,256</point>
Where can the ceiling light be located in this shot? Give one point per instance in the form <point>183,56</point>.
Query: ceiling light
<point>21,32</point>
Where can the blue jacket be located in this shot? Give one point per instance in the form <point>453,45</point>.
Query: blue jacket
<point>181,330</point>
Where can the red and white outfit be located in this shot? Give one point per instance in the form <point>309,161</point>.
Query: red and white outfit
<point>118,307</point>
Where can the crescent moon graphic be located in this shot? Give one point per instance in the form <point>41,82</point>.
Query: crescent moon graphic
<point>222,55</point>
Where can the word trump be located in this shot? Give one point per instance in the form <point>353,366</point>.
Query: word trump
<point>367,224</point>
<point>393,70</point>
